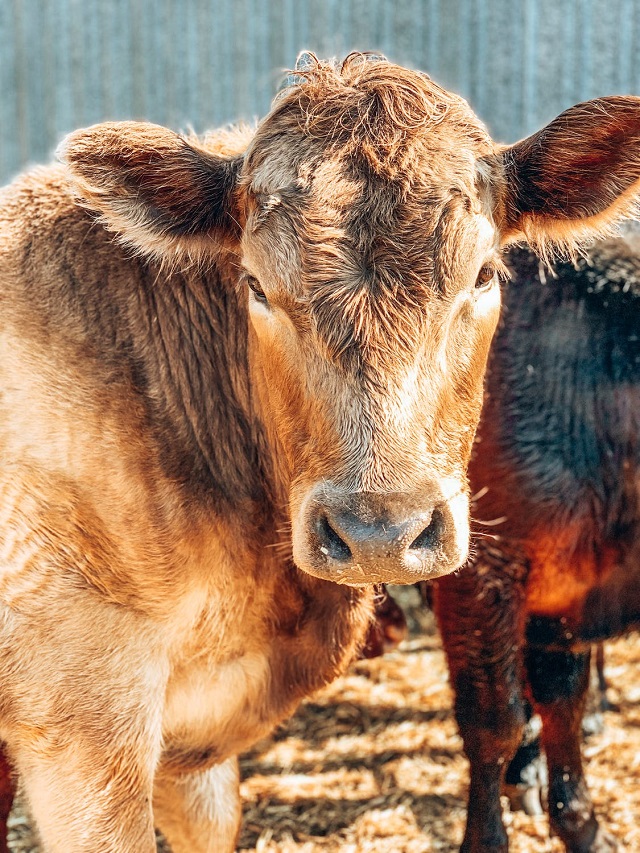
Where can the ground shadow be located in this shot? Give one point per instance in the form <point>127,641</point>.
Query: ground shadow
<point>307,819</point>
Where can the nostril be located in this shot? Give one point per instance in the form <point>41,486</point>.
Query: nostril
<point>331,544</point>
<point>432,535</point>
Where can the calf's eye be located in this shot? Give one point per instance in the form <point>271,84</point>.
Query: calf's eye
<point>254,285</point>
<point>485,276</point>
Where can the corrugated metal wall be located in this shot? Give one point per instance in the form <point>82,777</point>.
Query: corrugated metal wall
<point>200,63</point>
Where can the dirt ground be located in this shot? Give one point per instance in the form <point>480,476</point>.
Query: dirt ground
<point>374,763</point>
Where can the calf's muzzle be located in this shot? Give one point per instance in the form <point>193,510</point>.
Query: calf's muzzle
<point>365,537</point>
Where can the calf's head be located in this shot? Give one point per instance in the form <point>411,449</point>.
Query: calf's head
<point>367,215</point>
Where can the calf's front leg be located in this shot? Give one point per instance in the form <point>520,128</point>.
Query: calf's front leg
<point>84,802</point>
<point>200,811</point>
<point>480,618</point>
<point>559,682</point>
<point>6,798</point>
<point>83,690</point>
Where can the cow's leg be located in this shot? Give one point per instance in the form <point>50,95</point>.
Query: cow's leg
<point>84,805</point>
<point>525,781</point>
<point>601,677</point>
<point>389,626</point>
<point>559,683</point>
<point>597,703</point>
<point>481,624</point>
<point>6,798</point>
<point>199,812</point>
<point>84,683</point>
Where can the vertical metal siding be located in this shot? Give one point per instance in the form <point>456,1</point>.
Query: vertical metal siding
<point>201,63</point>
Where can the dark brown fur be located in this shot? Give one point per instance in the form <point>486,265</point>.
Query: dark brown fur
<point>557,470</point>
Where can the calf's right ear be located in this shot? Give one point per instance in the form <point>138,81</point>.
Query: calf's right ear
<point>162,194</point>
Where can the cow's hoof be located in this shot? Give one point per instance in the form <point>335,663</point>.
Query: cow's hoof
<point>588,842</point>
<point>526,782</point>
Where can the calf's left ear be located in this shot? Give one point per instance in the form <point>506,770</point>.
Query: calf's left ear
<point>160,192</point>
<point>574,179</point>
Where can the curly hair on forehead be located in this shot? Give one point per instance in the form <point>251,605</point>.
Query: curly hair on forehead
<point>372,108</point>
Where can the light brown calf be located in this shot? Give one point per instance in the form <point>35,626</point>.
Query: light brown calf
<point>215,439</point>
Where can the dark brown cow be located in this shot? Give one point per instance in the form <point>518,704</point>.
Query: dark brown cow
<point>389,626</point>
<point>558,455</point>
<point>213,448</point>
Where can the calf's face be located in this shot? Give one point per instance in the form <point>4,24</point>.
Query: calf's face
<point>373,295</point>
<point>366,216</point>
